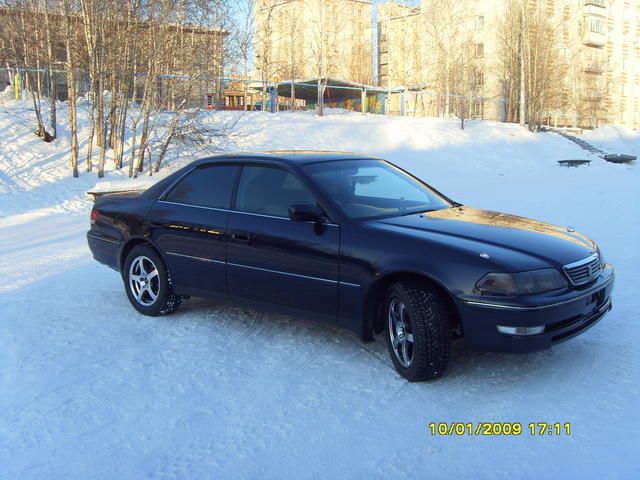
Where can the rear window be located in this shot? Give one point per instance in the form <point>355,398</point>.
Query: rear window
<point>208,186</point>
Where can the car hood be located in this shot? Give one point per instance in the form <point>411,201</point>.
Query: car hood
<point>507,237</point>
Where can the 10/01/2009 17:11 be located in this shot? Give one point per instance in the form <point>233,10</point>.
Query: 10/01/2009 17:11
<point>499,428</point>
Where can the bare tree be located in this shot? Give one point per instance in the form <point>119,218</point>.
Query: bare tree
<point>530,63</point>
<point>467,80</point>
<point>509,37</point>
<point>295,39</point>
<point>50,67</point>
<point>457,68</point>
<point>27,50</point>
<point>243,38</point>
<point>169,49</point>
<point>71,85</point>
<point>93,19</point>
<point>266,39</point>
<point>542,76</point>
<point>322,45</point>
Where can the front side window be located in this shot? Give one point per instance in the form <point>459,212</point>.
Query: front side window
<point>207,186</point>
<point>374,189</point>
<point>270,191</point>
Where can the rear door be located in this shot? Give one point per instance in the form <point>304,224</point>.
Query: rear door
<point>189,225</point>
<point>275,260</point>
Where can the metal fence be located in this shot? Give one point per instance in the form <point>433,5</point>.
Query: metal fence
<point>224,93</point>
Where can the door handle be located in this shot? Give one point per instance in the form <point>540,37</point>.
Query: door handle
<point>241,237</point>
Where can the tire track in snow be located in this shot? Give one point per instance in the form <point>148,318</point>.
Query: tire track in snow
<point>255,325</point>
<point>377,350</point>
<point>316,351</point>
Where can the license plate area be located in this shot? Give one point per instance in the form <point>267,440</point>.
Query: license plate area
<point>596,300</point>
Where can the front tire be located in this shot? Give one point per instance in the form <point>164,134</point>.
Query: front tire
<point>147,282</point>
<point>417,327</point>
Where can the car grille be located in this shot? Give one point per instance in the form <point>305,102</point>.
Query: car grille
<point>583,271</point>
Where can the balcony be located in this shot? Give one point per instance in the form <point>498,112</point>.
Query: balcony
<point>593,7</point>
<point>594,68</point>
<point>592,96</point>
<point>593,39</point>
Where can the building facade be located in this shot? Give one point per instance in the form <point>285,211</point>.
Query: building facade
<point>191,75</point>
<point>596,42</point>
<point>307,39</point>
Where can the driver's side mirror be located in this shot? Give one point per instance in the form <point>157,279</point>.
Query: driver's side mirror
<point>305,212</point>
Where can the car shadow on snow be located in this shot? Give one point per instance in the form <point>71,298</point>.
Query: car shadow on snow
<point>509,369</point>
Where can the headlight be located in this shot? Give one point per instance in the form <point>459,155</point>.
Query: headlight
<point>535,281</point>
<point>497,284</point>
<point>602,262</point>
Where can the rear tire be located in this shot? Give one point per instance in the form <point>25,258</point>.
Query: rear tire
<point>148,283</point>
<point>417,327</point>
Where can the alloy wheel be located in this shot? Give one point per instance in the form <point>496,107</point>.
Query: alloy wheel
<point>144,281</point>
<point>400,332</point>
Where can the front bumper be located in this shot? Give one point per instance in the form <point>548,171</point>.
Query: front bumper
<point>562,316</point>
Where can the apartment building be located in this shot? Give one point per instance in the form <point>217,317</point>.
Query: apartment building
<point>597,44</point>
<point>398,28</point>
<point>306,39</point>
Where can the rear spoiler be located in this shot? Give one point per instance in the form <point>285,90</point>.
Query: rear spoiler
<point>94,194</point>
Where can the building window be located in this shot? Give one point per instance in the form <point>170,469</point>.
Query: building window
<point>479,23</point>
<point>478,109</point>
<point>479,79</point>
<point>479,50</point>
<point>596,25</point>
<point>599,3</point>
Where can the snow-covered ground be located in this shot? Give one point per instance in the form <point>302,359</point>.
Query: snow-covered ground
<point>91,389</point>
<point>614,139</point>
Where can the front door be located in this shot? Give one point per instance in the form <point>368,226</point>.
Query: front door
<point>275,260</point>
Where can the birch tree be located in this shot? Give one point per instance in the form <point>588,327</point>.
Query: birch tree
<point>530,63</point>
<point>169,48</point>
<point>70,64</point>
<point>322,45</point>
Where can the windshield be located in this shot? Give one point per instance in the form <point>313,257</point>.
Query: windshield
<point>374,189</point>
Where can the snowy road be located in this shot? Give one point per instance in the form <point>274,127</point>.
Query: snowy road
<point>91,389</point>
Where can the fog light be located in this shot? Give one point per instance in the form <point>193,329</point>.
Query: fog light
<point>521,331</point>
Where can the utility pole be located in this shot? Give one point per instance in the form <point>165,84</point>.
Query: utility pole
<point>523,97</point>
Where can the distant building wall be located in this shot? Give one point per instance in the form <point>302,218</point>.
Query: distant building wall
<point>202,49</point>
<point>598,42</point>
<point>314,38</point>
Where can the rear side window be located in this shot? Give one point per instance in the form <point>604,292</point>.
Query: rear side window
<point>208,186</point>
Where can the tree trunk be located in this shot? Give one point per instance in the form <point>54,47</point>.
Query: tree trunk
<point>71,90</point>
<point>52,78</point>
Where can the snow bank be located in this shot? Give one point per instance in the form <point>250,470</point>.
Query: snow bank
<point>615,139</point>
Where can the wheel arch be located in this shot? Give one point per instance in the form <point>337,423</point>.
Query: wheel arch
<point>134,242</point>
<point>375,297</point>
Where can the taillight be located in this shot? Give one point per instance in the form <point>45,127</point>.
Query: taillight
<point>95,214</point>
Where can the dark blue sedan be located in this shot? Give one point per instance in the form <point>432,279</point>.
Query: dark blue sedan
<point>357,242</point>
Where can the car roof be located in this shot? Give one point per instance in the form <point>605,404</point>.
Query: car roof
<point>288,156</point>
